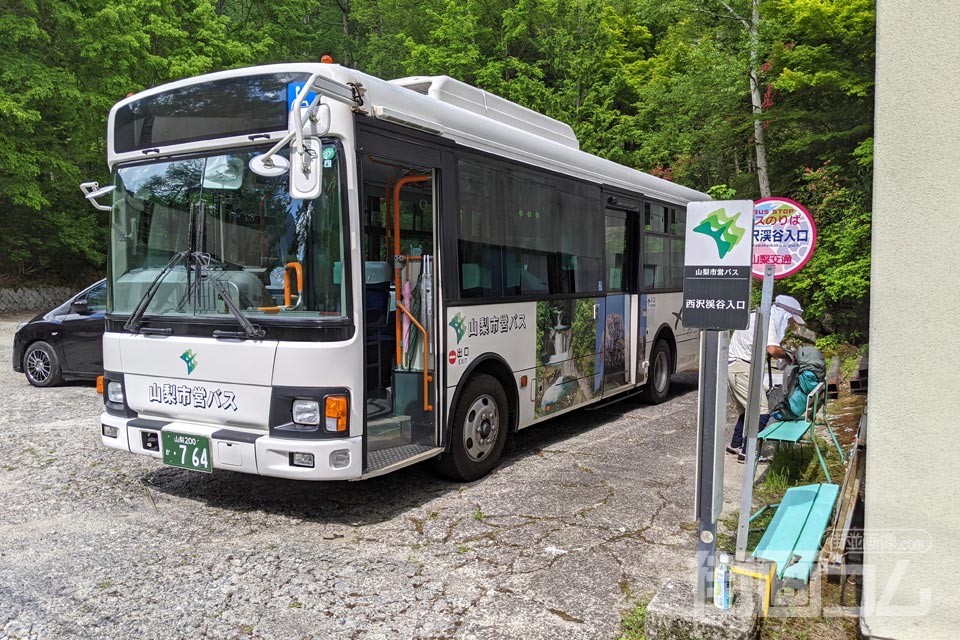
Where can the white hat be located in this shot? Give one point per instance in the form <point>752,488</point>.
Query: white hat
<point>791,306</point>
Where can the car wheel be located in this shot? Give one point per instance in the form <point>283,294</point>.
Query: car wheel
<point>658,382</point>
<point>479,431</point>
<point>41,365</point>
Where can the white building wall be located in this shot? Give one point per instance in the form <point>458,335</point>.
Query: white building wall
<point>913,442</point>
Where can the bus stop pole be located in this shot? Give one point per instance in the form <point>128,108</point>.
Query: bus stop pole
<point>752,418</point>
<point>712,410</point>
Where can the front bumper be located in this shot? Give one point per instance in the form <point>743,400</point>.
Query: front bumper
<point>17,356</point>
<point>243,450</point>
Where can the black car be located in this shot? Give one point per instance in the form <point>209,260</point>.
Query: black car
<point>63,342</point>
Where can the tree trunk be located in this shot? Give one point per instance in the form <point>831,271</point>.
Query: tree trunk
<point>344,6</point>
<point>757,102</point>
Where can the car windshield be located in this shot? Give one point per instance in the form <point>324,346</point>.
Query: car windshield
<point>275,256</point>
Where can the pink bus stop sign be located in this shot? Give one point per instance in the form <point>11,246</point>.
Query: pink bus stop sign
<point>784,235</point>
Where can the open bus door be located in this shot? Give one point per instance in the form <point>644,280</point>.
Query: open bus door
<point>400,213</point>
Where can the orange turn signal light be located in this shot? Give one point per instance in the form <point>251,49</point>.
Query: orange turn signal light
<point>335,413</point>
<point>100,385</point>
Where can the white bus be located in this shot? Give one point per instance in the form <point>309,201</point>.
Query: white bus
<point>321,275</point>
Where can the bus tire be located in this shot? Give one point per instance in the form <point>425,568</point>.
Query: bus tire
<point>41,365</point>
<point>658,381</point>
<point>479,430</point>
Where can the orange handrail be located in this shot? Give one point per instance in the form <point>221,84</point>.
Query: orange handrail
<point>396,252</point>
<point>298,269</point>
<point>427,378</point>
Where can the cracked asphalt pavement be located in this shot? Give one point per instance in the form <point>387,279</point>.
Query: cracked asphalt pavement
<point>585,515</point>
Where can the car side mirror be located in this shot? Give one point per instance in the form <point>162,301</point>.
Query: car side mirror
<point>80,307</point>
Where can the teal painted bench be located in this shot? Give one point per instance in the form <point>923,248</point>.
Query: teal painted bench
<point>799,431</point>
<point>793,538</point>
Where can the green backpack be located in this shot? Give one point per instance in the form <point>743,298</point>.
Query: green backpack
<point>800,378</point>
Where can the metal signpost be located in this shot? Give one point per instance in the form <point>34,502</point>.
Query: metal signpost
<point>716,298</point>
<point>752,418</point>
<point>784,237</point>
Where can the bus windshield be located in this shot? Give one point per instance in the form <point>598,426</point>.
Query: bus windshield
<point>273,255</point>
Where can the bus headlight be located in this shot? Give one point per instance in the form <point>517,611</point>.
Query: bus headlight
<point>306,412</point>
<point>115,392</point>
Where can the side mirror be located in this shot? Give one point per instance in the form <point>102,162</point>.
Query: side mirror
<point>306,169</point>
<point>80,307</point>
<point>93,190</point>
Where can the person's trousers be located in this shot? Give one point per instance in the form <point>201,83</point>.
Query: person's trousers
<point>738,377</point>
<point>737,440</point>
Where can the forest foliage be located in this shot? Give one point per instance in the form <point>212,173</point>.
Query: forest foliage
<point>660,85</point>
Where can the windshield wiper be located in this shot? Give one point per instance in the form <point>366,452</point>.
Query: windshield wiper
<point>133,322</point>
<point>250,330</point>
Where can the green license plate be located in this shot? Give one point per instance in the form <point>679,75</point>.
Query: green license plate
<point>186,451</point>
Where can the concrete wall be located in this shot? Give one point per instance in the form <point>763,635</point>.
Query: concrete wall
<point>912,578</point>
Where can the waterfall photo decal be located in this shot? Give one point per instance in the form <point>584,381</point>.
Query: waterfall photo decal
<point>567,354</point>
<point>614,342</point>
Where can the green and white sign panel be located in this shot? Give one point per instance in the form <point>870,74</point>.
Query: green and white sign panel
<point>717,264</point>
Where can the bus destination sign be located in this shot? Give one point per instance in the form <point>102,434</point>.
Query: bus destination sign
<point>716,266</point>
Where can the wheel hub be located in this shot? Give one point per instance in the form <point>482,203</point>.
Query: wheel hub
<point>480,428</point>
<point>38,365</point>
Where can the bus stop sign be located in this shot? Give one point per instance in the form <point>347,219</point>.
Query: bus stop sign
<point>716,265</point>
<point>784,235</point>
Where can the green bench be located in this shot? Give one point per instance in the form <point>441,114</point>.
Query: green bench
<point>800,431</point>
<point>793,538</point>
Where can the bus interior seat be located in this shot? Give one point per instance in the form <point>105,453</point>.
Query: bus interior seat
<point>379,319</point>
<point>376,272</point>
<point>652,275</point>
<point>474,280</point>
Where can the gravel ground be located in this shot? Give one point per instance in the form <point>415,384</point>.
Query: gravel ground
<point>584,516</point>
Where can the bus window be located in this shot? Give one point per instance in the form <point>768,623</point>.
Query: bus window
<point>616,243</point>
<point>663,246</point>
<point>656,218</point>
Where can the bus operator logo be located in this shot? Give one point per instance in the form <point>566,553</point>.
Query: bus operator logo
<point>190,358</point>
<point>457,324</point>
<point>722,229</point>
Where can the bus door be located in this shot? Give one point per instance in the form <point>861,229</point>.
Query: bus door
<point>399,215</point>
<point>616,305</point>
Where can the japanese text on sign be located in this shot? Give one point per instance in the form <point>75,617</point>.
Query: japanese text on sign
<point>187,396</point>
<point>718,273</point>
<point>491,325</point>
<point>784,235</point>
<point>716,304</point>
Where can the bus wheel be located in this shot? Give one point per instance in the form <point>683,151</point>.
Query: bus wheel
<point>41,365</point>
<point>658,380</point>
<point>479,431</point>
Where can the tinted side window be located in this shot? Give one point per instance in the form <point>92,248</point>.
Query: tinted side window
<point>480,236</point>
<point>527,234</point>
<point>616,248</point>
<point>581,243</point>
<point>663,246</point>
<point>533,232</point>
<point>97,298</point>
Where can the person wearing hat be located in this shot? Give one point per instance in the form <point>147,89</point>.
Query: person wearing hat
<point>784,310</point>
